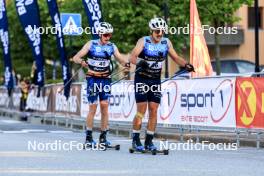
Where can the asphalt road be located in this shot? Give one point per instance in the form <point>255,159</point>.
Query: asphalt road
<point>26,149</point>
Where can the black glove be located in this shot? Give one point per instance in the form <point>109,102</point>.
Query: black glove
<point>189,67</point>
<point>143,64</point>
<point>127,65</point>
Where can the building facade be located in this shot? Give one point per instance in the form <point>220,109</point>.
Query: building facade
<point>240,45</point>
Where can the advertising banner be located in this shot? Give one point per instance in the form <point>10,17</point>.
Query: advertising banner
<point>9,83</point>
<point>202,102</point>
<point>62,105</point>
<point>56,22</point>
<point>250,102</point>
<point>94,14</point>
<point>41,103</point>
<point>28,13</point>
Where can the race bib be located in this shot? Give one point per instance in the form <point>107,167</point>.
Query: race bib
<point>97,63</point>
<point>155,65</point>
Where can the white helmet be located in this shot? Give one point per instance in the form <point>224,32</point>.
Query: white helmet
<point>105,28</point>
<point>158,24</point>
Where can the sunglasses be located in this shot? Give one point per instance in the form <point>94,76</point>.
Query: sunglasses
<point>107,35</point>
<point>159,31</point>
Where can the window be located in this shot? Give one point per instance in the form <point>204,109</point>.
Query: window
<point>245,67</point>
<point>228,67</point>
<point>251,17</point>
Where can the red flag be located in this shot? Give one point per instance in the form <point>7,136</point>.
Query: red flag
<point>200,58</point>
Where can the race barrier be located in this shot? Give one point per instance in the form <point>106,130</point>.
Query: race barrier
<point>209,102</point>
<point>184,102</point>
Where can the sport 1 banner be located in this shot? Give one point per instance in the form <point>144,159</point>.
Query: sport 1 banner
<point>94,14</point>
<point>28,13</point>
<point>199,102</point>
<point>6,46</point>
<point>55,17</point>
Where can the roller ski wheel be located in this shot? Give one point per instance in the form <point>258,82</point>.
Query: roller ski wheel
<point>106,144</point>
<point>133,150</point>
<point>164,152</point>
<point>89,145</point>
<point>153,152</point>
<point>115,147</point>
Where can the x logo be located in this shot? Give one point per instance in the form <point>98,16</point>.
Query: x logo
<point>244,106</point>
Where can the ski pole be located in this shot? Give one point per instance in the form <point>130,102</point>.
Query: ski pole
<point>113,74</point>
<point>125,76</point>
<point>175,75</point>
<point>68,82</point>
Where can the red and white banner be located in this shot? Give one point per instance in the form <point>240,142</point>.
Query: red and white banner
<point>203,102</point>
<point>250,102</point>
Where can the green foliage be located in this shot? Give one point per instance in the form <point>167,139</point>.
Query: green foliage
<point>130,20</point>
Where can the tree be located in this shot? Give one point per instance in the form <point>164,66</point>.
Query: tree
<point>130,20</point>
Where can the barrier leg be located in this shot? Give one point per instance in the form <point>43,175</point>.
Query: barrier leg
<point>197,136</point>
<point>181,135</point>
<point>71,125</point>
<point>117,130</point>
<point>258,140</point>
<point>66,123</point>
<point>237,138</point>
<point>57,122</point>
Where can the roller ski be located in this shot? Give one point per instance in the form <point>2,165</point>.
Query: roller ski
<point>149,147</point>
<point>104,144</point>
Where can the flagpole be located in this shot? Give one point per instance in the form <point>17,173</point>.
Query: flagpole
<point>256,36</point>
<point>166,15</point>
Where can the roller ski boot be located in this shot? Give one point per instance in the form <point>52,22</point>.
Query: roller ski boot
<point>151,148</point>
<point>89,142</point>
<point>104,144</point>
<point>136,144</point>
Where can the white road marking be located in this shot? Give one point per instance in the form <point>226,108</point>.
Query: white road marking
<point>53,171</point>
<point>33,130</point>
<point>10,121</point>
<point>58,131</point>
<point>24,154</point>
<point>14,132</point>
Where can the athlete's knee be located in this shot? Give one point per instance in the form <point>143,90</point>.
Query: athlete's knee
<point>104,104</point>
<point>139,115</point>
<point>92,109</point>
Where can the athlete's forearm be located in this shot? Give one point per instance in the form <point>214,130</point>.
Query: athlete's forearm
<point>180,61</point>
<point>82,53</point>
<point>121,58</point>
<point>77,59</point>
<point>136,51</point>
<point>133,59</point>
